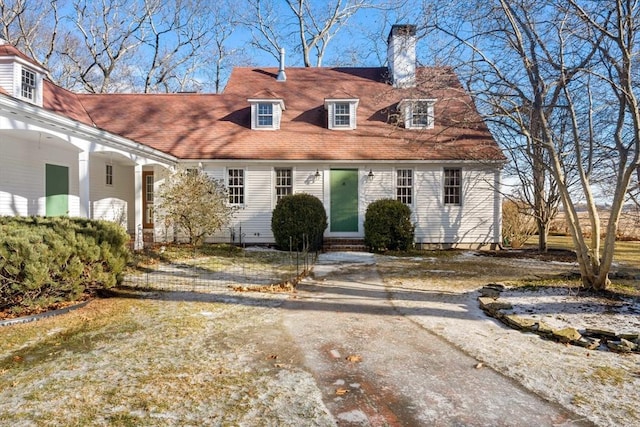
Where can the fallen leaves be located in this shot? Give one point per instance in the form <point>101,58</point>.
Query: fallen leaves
<point>287,286</point>
<point>341,391</point>
<point>354,358</point>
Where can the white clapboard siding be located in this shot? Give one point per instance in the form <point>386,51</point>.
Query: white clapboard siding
<point>116,202</point>
<point>22,176</point>
<point>7,76</point>
<point>473,222</point>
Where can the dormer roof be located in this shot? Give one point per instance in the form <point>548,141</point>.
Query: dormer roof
<point>7,50</point>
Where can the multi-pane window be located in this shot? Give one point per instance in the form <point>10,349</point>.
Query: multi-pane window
<point>265,114</point>
<point>284,183</point>
<point>422,114</point>
<point>341,114</point>
<point>404,186</point>
<point>28,84</point>
<point>147,202</point>
<point>452,186</point>
<point>109,174</point>
<point>235,186</point>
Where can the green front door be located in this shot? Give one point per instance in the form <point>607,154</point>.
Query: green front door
<point>56,190</point>
<point>344,200</point>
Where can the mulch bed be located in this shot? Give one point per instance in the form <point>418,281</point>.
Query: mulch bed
<point>560,255</point>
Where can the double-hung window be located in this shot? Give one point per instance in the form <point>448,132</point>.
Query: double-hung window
<point>265,115</point>
<point>235,186</point>
<point>342,115</point>
<point>284,182</point>
<point>28,84</point>
<point>417,113</point>
<point>109,175</point>
<point>452,186</point>
<point>404,186</point>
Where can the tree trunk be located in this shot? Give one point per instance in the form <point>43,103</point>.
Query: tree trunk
<point>543,235</point>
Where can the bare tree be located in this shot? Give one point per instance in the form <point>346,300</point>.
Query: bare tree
<point>545,67</point>
<point>306,25</point>
<point>108,32</point>
<point>176,33</point>
<point>33,26</point>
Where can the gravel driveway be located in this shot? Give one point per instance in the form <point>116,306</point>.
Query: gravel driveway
<point>375,366</point>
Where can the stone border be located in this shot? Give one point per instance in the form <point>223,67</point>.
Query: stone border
<point>591,339</point>
<point>40,316</point>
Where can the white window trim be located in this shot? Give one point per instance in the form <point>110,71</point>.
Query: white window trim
<point>108,171</point>
<point>460,187</point>
<point>277,109</point>
<point>406,109</point>
<point>275,182</point>
<point>244,185</point>
<point>330,106</point>
<point>413,181</point>
<point>32,88</point>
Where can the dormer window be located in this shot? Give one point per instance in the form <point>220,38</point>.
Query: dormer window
<point>28,88</point>
<point>20,77</point>
<point>417,113</point>
<point>266,113</point>
<point>341,113</point>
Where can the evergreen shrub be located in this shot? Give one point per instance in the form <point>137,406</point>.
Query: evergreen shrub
<point>388,226</point>
<point>300,217</point>
<point>44,261</point>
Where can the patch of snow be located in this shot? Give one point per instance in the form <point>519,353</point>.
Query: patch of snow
<point>356,417</point>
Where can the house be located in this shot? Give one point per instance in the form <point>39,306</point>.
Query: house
<point>346,135</point>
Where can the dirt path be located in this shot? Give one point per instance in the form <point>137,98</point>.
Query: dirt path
<point>376,367</point>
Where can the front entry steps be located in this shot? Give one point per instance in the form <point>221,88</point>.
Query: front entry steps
<point>343,245</point>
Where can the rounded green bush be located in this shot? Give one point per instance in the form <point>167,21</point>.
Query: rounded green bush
<point>298,219</point>
<point>388,226</point>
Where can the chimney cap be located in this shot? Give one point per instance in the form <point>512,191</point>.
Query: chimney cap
<point>402,30</point>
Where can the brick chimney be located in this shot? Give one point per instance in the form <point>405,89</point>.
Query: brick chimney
<point>401,55</point>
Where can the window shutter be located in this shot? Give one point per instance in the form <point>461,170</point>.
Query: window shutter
<point>352,112</point>
<point>254,115</point>
<point>330,112</point>
<point>277,113</point>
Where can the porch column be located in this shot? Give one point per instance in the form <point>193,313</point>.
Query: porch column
<point>84,181</point>
<point>138,243</point>
<point>497,208</point>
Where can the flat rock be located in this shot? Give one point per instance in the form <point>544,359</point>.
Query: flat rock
<point>567,335</point>
<point>492,306</point>
<point>520,322</point>
<point>597,332</point>
<point>544,329</point>
<point>588,342</point>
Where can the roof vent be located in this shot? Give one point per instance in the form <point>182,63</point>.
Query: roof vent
<point>282,76</point>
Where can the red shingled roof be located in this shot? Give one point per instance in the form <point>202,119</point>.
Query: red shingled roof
<point>198,126</point>
<point>64,102</point>
<point>209,126</point>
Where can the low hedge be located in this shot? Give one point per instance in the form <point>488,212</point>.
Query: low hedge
<point>44,261</point>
